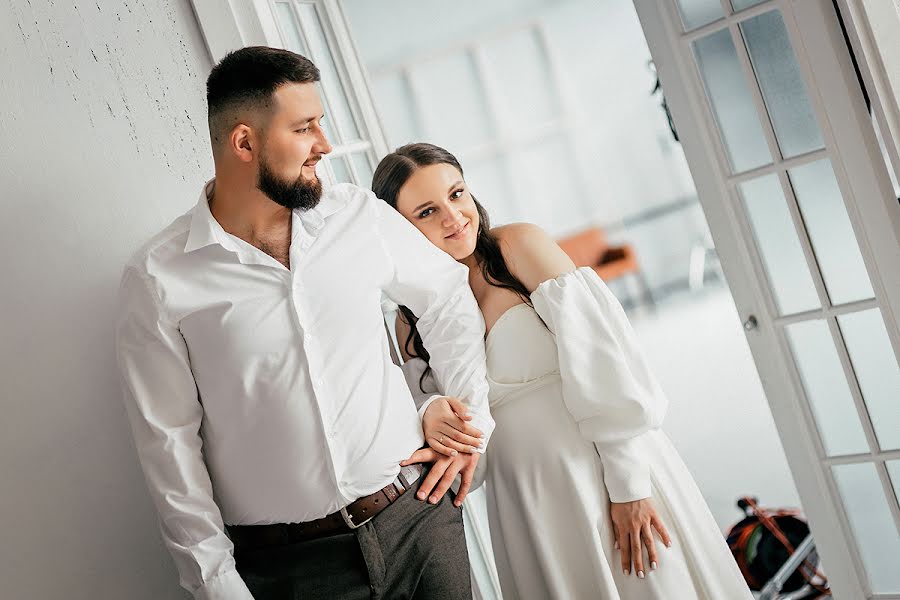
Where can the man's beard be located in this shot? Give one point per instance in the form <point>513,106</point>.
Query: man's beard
<point>299,193</point>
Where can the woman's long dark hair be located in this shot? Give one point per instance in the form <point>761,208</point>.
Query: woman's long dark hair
<point>393,171</point>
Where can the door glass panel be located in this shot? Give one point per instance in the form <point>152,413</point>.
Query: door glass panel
<point>776,239</point>
<point>363,169</point>
<point>695,13</point>
<point>826,388</point>
<point>781,84</point>
<point>893,468</point>
<point>742,4</point>
<point>870,520</point>
<point>876,370</point>
<point>340,170</point>
<point>729,96</point>
<point>293,41</point>
<point>830,232</point>
<point>331,83</point>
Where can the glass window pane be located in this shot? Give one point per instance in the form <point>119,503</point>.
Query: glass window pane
<point>454,120</point>
<point>729,95</point>
<point>776,239</point>
<point>870,520</point>
<point>293,41</point>
<point>830,232</point>
<point>826,388</point>
<point>782,85</point>
<point>519,72</point>
<point>742,4</point>
<point>331,83</point>
<point>695,13</point>
<point>876,370</point>
<point>363,168</point>
<point>396,109</point>
<point>340,170</point>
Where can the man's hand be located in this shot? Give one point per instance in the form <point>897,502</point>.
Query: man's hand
<point>442,473</point>
<point>446,428</point>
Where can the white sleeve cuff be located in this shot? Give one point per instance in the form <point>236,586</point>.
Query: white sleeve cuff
<point>426,404</point>
<point>485,426</point>
<point>625,470</point>
<point>227,585</point>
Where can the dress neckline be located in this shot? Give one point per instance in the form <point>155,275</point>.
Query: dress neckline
<point>501,318</point>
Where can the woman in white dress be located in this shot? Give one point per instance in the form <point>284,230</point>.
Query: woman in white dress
<point>587,498</point>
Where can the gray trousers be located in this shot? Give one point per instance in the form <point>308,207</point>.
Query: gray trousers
<point>412,550</point>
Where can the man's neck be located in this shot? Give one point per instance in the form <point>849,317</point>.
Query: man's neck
<point>244,211</point>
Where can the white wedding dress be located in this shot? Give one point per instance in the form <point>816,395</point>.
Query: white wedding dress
<point>577,422</point>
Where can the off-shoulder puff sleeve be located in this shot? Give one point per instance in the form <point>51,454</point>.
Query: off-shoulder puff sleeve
<point>607,386</point>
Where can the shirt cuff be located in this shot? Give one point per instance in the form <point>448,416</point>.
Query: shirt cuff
<point>485,426</point>
<point>625,469</point>
<point>227,585</point>
<point>426,404</point>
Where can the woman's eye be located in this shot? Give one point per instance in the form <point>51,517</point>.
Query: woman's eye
<point>456,194</point>
<point>304,130</point>
<point>426,213</point>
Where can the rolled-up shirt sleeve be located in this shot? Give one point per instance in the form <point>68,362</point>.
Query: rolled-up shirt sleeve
<point>607,385</point>
<point>435,287</point>
<point>165,414</point>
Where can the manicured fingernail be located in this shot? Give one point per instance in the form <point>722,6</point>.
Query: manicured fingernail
<point>617,544</point>
<point>641,574</point>
<point>454,453</point>
<point>669,544</point>
<point>433,499</point>
<point>420,495</point>
<point>625,571</point>
<point>653,565</point>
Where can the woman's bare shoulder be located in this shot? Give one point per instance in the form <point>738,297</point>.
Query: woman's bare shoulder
<point>531,254</point>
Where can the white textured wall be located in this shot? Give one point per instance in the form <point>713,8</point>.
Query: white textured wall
<point>103,141</point>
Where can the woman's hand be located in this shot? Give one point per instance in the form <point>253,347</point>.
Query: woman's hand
<point>634,523</point>
<point>446,427</point>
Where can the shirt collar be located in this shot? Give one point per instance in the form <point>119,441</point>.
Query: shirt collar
<point>205,230</point>
<point>332,201</point>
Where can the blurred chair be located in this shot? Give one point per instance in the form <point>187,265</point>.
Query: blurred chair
<point>590,248</point>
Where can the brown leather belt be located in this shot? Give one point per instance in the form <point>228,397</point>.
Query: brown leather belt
<point>354,515</point>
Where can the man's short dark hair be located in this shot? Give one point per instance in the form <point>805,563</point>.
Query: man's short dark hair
<point>246,79</point>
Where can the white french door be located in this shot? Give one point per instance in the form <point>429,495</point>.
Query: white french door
<point>788,170</point>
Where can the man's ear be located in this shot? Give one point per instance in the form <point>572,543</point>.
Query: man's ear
<point>242,142</point>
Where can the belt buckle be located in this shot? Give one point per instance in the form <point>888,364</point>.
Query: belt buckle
<point>348,519</point>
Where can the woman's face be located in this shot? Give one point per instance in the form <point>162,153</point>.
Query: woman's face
<point>437,201</point>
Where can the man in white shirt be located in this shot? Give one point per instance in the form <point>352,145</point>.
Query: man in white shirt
<point>257,372</point>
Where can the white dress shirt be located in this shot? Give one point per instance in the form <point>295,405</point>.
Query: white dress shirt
<point>260,394</point>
